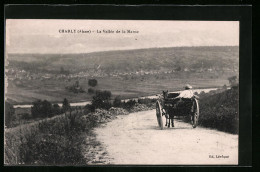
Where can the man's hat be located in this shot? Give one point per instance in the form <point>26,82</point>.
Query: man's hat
<point>188,86</point>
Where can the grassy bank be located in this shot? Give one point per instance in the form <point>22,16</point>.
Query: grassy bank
<point>219,110</point>
<point>49,142</point>
<point>61,140</point>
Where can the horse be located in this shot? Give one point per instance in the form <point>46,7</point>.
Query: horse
<point>169,118</point>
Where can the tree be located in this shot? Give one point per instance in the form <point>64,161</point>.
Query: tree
<point>91,91</point>
<point>61,70</point>
<point>117,102</point>
<point>9,114</point>
<point>46,109</point>
<point>178,68</point>
<point>77,83</point>
<point>102,99</point>
<point>92,82</point>
<point>224,87</point>
<point>56,109</point>
<point>65,105</point>
<point>41,109</point>
<point>36,109</point>
<point>89,108</point>
<point>233,81</point>
<point>129,104</point>
<point>75,88</point>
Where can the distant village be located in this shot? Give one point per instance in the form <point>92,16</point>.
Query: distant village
<point>21,74</point>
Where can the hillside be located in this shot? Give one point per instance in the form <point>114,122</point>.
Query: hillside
<point>220,110</point>
<point>167,59</point>
<point>128,73</point>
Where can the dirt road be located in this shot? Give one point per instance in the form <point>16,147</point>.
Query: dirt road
<point>137,139</point>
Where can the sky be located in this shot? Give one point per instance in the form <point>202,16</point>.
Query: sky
<point>44,35</point>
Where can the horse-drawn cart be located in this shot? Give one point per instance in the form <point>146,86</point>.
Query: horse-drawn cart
<point>171,107</point>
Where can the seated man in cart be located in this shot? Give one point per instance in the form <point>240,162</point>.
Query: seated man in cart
<point>186,94</point>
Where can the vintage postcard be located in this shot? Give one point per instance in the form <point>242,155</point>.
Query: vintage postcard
<point>121,92</point>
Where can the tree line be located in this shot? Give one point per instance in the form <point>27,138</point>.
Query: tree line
<point>44,109</point>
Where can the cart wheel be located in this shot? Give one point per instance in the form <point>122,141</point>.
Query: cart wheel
<point>195,116</point>
<point>159,114</point>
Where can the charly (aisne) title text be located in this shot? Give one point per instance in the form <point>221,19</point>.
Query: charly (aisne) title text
<point>98,31</point>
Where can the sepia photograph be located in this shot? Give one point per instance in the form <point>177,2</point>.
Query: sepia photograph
<point>121,92</point>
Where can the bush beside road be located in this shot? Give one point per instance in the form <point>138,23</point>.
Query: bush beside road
<point>219,110</point>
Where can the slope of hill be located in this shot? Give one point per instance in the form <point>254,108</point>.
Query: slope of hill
<point>220,109</point>
<point>128,73</point>
<point>176,58</point>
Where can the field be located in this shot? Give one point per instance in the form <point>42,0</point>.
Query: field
<point>54,90</point>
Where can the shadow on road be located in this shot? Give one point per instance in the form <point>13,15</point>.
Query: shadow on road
<point>177,128</point>
<point>153,127</point>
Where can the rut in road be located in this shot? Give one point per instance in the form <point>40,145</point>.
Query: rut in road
<point>137,139</point>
